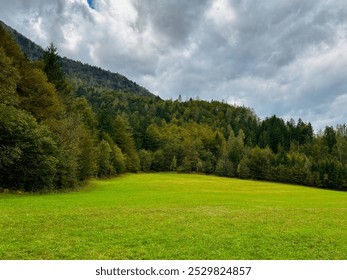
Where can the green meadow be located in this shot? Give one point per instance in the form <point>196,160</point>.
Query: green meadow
<point>176,216</point>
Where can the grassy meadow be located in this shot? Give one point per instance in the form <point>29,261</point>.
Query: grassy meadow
<point>176,216</point>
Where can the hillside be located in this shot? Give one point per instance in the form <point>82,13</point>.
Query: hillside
<point>54,136</point>
<point>80,73</point>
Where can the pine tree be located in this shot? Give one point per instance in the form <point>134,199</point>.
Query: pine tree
<point>52,66</point>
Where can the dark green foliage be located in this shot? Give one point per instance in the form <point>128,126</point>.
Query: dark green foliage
<point>67,133</point>
<point>9,78</point>
<point>224,167</point>
<point>152,138</point>
<point>28,152</point>
<point>123,138</point>
<point>88,156</point>
<point>52,66</point>
<point>341,143</point>
<point>295,169</point>
<point>332,174</point>
<point>195,136</point>
<point>146,159</point>
<point>274,133</point>
<point>105,166</point>
<point>158,162</point>
<point>236,147</point>
<point>56,133</point>
<point>330,138</point>
<point>173,165</point>
<point>37,96</point>
<point>63,151</point>
<point>84,112</point>
<point>243,169</point>
<point>117,159</point>
<point>259,162</point>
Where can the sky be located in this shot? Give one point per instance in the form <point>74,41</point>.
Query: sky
<point>282,57</point>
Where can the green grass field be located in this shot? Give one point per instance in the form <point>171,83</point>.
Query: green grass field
<point>175,216</point>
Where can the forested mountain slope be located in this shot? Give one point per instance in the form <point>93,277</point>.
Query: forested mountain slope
<point>55,133</point>
<point>78,72</point>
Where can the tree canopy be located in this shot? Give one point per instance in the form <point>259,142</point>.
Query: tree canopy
<point>56,131</point>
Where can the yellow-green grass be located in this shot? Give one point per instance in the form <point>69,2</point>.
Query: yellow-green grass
<point>176,216</point>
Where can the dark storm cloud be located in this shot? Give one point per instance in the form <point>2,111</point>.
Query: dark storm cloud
<point>280,57</point>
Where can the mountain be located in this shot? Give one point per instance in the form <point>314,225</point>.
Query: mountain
<point>80,73</point>
<point>51,139</point>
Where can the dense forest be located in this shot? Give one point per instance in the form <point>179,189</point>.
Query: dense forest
<point>57,129</point>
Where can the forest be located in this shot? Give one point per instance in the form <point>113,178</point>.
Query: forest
<point>57,130</point>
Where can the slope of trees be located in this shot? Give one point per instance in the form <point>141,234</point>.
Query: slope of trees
<point>55,134</point>
<point>79,73</point>
<point>216,138</point>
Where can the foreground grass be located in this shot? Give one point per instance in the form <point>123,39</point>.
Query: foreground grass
<point>172,216</point>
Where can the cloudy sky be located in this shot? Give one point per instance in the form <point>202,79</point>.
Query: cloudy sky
<point>283,57</point>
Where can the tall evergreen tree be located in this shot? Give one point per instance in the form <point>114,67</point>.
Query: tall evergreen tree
<point>124,139</point>
<point>52,66</point>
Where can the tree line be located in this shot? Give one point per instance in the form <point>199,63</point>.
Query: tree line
<point>56,132</point>
<point>217,138</point>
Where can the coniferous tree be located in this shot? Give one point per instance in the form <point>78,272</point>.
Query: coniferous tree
<point>52,66</point>
<point>330,138</point>
<point>124,139</point>
<point>9,78</point>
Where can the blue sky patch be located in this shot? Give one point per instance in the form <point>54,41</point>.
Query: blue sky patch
<point>91,4</point>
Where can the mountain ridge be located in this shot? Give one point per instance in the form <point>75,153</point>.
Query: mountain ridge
<point>80,73</point>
